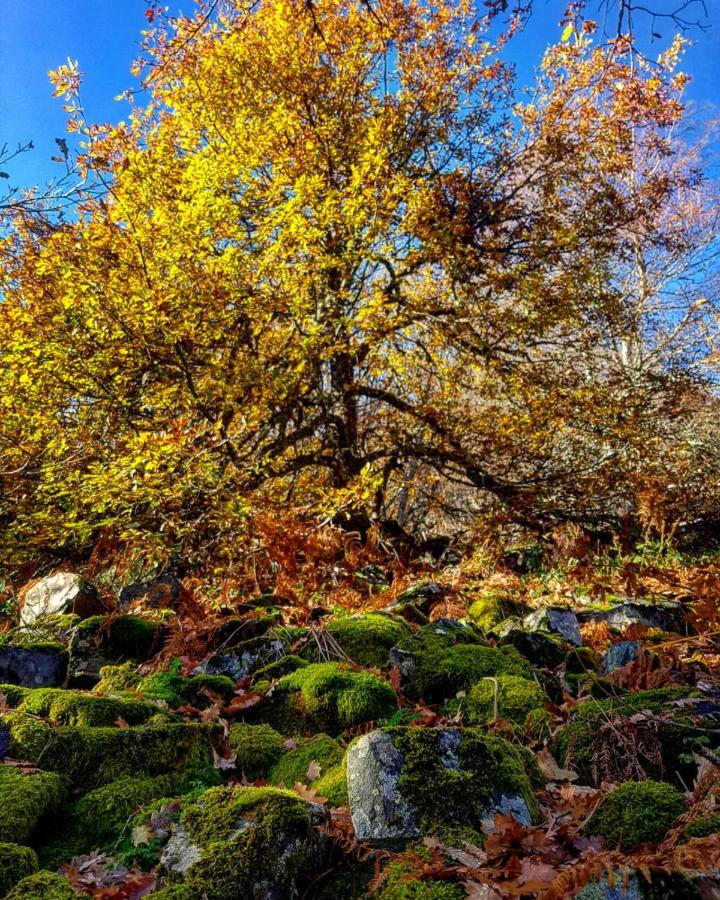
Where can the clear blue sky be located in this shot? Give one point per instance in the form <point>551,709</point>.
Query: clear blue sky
<point>104,35</point>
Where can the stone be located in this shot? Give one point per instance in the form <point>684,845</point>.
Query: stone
<point>404,782</point>
<point>244,659</point>
<point>555,620</point>
<point>421,596</point>
<point>375,576</point>
<point>180,853</point>
<point>618,655</point>
<point>40,666</point>
<point>162,592</point>
<point>665,616</point>
<point>64,592</point>
<point>542,650</point>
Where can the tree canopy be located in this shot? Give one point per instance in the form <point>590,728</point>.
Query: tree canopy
<point>337,258</point>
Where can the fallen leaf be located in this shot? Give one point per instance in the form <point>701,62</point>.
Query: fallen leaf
<point>140,835</point>
<point>121,723</point>
<point>308,794</point>
<point>313,772</point>
<point>224,763</point>
<point>550,768</point>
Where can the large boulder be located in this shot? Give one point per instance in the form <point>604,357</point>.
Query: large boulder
<point>404,782</point>
<point>259,843</point>
<point>63,592</point>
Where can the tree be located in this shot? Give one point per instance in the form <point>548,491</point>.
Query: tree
<point>330,245</point>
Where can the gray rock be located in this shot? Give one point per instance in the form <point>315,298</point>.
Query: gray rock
<point>244,659</point>
<point>179,854</point>
<point>422,597</point>
<point>665,616</point>
<point>33,666</point>
<point>556,621</point>
<point>377,769</point>
<point>64,592</point>
<point>374,575</point>
<point>379,811</point>
<point>618,655</point>
<point>601,890</point>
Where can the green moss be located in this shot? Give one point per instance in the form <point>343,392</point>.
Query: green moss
<point>490,609</point>
<point>367,639</point>
<point>333,785</point>
<point>294,764</point>
<point>90,757</point>
<point>482,768</point>
<point>117,679</point>
<point>576,743</point>
<point>101,815</point>
<point>134,637</point>
<point>328,697</point>
<point>258,748</point>
<point>350,882</point>
<point>25,800</point>
<point>401,883</point>
<point>275,670</point>
<point>169,687</point>
<point>52,630</point>
<point>63,707</point>
<point>441,666</point>
<point>636,812</point>
<point>13,694</point>
<point>16,863</point>
<point>703,827</point>
<point>174,892</point>
<point>43,886</point>
<point>516,698</point>
<point>251,838</point>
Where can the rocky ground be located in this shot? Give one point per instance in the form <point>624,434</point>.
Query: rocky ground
<point>430,748</point>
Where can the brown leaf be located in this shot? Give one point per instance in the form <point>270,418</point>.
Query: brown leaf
<point>224,763</point>
<point>121,723</point>
<point>313,772</point>
<point>550,768</point>
<point>308,794</point>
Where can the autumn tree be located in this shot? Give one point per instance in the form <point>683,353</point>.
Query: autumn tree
<point>330,246</point>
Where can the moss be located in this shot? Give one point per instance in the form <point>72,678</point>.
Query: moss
<point>174,892</point>
<point>258,748</point>
<point>575,744</point>
<point>54,630</point>
<point>16,863</point>
<point>275,670</point>
<point>400,884</point>
<point>367,639</point>
<point>101,815</point>
<point>13,694</point>
<point>703,827</point>
<point>134,637</point>
<point>333,785</point>
<point>441,666</point>
<point>253,839</point>
<point>328,697</point>
<point>117,679</point>
<point>93,756</point>
<point>25,800</point>
<point>63,707</point>
<point>468,770</point>
<point>43,886</point>
<point>516,699</point>
<point>350,882</point>
<point>490,609</point>
<point>636,812</point>
<point>294,764</point>
<point>169,687</point>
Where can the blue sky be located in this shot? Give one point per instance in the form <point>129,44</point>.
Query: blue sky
<point>104,35</point>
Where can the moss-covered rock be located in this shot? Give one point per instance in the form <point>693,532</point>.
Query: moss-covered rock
<point>16,863</point>
<point>246,657</point>
<point>294,765</point>
<point>582,740</point>
<point>258,748</point>
<point>491,608</point>
<point>401,883</point>
<point>43,886</point>
<point>511,697</point>
<point>367,639</point>
<point>25,800</point>
<point>246,842</point>
<point>403,782</point>
<point>328,697</point>
<point>333,785</point>
<point>89,756</point>
<point>168,687</point>
<point>101,815</point>
<point>437,665</point>
<point>64,707</point>
<point>636,812</point>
